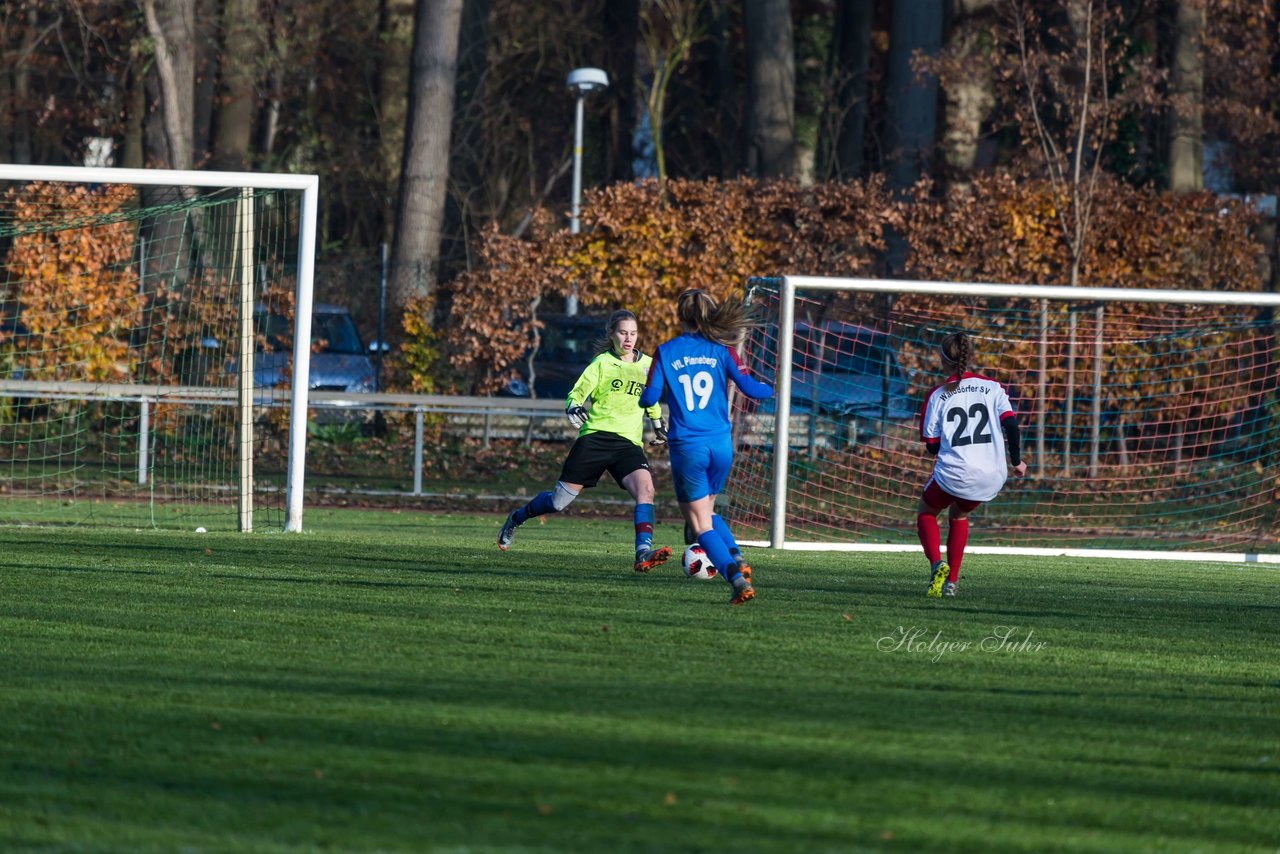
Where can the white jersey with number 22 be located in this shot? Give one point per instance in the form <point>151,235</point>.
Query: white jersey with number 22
<point>965,423</point>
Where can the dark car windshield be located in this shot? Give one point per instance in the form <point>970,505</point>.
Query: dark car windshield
<point>330,333</point>
<point>568,343</point>
<point>336,333</point>
<point>273,332</point>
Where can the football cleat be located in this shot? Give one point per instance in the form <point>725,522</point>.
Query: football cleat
<point>508,532</point>
<point>647,559</point>
<point>742,592</point>
<point>949,589</point>
<point>745,569</point>
<point>940,572</point>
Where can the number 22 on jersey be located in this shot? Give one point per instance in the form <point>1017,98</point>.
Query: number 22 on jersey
<point>981,434</point>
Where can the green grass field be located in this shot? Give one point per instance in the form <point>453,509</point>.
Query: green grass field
<point>390,681</point>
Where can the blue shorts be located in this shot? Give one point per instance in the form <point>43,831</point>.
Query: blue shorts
<point>700,467</point>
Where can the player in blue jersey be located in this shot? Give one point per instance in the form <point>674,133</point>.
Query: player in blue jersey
<point>610,439</point>
<point>692,374</point>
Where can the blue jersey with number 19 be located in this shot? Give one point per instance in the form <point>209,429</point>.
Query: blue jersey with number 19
<point>692,374</point>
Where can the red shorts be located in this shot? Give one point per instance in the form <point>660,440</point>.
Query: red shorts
<point>939,499</point>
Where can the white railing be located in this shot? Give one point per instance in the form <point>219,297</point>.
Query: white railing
<point>495,413</point>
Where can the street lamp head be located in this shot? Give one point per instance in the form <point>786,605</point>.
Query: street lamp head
<point>584,81</point>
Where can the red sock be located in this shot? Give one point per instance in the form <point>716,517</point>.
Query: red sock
<point>930,536</point>
<point>957,539</point>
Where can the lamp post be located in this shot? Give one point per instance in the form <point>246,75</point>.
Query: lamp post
<point>582,82</point>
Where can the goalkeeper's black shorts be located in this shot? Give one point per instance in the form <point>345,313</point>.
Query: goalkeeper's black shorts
<point>596,453</point>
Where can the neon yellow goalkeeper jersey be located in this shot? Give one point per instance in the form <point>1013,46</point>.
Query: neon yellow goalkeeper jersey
<point>614,388</point>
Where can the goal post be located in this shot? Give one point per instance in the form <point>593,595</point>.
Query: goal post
<point>1150,418</point>
<point>129,392</point>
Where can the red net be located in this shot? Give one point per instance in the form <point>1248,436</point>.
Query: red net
<point>1144,425</point>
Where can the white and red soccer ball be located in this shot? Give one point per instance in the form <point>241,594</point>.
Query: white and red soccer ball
<point>696,563</point>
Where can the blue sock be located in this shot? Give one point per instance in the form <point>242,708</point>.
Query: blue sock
<point>539,505</point>
<point>721,527</point>
<point>644,527</point>
<point>715,549</point>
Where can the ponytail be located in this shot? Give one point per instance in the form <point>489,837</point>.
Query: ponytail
<point>957,355</point>
<point>726,323</point>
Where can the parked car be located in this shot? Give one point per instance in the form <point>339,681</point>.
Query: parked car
<point>841,370</point>
<point>567,346</point>
<point>339,361</point>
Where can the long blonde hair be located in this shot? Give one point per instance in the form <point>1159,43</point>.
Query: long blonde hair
<point>957,355</point>
<point>725,323</point>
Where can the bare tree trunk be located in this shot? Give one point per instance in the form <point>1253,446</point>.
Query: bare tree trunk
<point>851,53</point>
<point>722,84</point>
<point>395,39</point>
<point>205,76</point>
<point>241,38</point>
<point>425,171</point>
<point>172,29</point>
<point>133,156</point>
<point>7,122</point>
<point>1186,137</point>
<point>969,101</point>
<point>171,24</point>
<point>912,104</point>
<point>20,105</point>
<point>241,32</point>
<point>277,48</point>
<point>622,33</point>
<point>466,172</point>
<point>771,72</point>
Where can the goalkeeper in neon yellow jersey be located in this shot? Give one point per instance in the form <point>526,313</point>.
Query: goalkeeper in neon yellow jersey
<point>610,439</point>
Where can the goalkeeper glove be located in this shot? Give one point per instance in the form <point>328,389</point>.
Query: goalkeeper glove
<point>659,431</point>
<point>577,415</point>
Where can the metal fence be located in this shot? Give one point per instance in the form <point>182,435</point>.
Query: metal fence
<point>485,418</point>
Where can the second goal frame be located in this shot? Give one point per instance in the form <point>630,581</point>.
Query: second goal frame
<point>788,287</point>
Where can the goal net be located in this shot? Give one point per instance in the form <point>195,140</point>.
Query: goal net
<point>1150,420</point>
<point>135,388</point>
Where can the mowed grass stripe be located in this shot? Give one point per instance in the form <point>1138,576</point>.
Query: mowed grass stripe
<point>390,681</point>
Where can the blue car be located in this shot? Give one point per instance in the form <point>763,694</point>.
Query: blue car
<point>339,361</point>
<point>567,346</point>
<point>840,370</point>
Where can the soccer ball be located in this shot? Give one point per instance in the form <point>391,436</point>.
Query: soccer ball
<point>696,563</point>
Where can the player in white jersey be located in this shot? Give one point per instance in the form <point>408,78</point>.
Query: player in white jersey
<point>959,426</point>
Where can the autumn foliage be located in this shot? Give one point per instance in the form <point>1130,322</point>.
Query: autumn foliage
<point>638,251</point>
<point>75,288</point>
<point>1000,231</point>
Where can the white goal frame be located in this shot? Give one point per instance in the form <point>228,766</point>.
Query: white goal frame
<point>309,185</point>
<point>791,285</point>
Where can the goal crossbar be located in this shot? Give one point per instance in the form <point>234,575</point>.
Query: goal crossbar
<point>1059,293</point>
